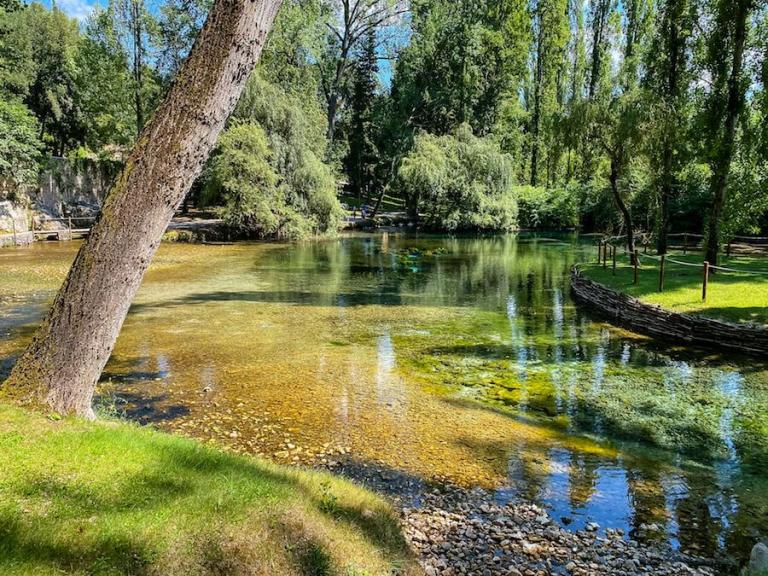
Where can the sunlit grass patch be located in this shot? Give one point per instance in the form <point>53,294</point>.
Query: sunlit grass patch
<point>731,296</point>
<point>113,498</point>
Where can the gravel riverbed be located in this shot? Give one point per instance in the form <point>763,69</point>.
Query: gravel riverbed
<point>459,531</point>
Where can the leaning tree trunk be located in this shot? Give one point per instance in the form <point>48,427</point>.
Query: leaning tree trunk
<point>623,208</point>
<point>69,351</point>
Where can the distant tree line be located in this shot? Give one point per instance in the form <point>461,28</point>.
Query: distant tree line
<point>486,114</point>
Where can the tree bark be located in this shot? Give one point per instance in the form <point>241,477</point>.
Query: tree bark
<point>62,365</point>
<point>721,167</point>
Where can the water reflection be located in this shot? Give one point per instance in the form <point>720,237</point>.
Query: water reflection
<point>444,358</point>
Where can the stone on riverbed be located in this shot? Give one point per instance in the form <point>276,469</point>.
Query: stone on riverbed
<point>466,532</point>
<point>758,560</point>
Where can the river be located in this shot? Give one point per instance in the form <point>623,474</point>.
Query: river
<point>444,359</point>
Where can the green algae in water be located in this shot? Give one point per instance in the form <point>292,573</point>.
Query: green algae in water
<point>444,358</point>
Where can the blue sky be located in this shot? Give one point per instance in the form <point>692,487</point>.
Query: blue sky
<point>79,9</point>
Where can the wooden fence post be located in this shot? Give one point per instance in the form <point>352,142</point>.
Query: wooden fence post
<point>613,253</point>
<point>599,252</point>
<point>605,254</point>
<point>13,227</point>
<point>637,262</point>
<point>706,281</point>
<point>661,273</point>
<point>728,249</point>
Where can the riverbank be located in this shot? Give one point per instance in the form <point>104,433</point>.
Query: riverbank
<point>113,498</point>
<point>651,320</point>
<point>472,531</point>
<point>737,296</point>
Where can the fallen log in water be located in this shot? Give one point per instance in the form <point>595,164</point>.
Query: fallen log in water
<point>628,312</point>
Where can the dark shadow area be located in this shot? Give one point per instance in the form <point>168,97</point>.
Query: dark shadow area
<point>139,408</point>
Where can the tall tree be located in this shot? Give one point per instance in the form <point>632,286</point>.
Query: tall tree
<point>361,161</point>
<point>350,23</point>
<point>601,11</point>
<point>103,85</point>
<point>550,32</point>
<point>63,363</point>
<point>578,63</point>
<point>465,60</point>
<point>136,28</point>
<point>727,45</point>
<point>618,116</point>
<point>669,79</point>
<point>54,40</point>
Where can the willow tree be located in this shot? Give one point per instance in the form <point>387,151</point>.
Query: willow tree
<point>64,361</point>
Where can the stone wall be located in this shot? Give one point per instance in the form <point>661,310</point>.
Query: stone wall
<point>74,187</point>
<point>13,218</point>
<point>631,313</point>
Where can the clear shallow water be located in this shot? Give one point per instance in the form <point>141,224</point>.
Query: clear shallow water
<point>440,359</point>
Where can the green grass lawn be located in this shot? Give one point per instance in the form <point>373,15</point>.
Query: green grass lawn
<point>110,498</point>
<point>732,297</point>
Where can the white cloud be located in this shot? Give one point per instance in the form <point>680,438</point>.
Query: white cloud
<point>79,9</point>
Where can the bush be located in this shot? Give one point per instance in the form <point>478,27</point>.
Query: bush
<point>548,208</point>
<point>19,145</point>
<point>268,172</point>
<point>459,182</point>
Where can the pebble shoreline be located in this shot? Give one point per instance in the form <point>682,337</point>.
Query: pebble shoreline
<point>459,531</point>
<point>464,532</point>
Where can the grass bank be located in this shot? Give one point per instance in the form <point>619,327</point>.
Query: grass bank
<point>110,498</point>
<point>732,296</point>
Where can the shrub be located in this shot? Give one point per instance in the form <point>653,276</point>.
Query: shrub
<point>19,144</point>
<point>549,208</point>
<point>268,172</point>
<point>459,182</point>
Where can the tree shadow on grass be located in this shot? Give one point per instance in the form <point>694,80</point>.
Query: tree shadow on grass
<point>38,548</point>
<point>69,523</point>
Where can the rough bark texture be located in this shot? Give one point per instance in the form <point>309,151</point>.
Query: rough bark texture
<point>721,167</point>
<point>637,316</point>
<point>64,361</point>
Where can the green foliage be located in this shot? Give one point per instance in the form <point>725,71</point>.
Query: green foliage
<point>463,60</point>
<point>19,145</point>
<point>459,182</point>
<point>177,27</point>
<point>552,209</point>
<point>248,185</point>
<point>103,84</point>
<point>54,38</point>
<point>268,170</point>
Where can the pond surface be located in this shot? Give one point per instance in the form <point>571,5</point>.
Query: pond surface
<point>438,359</point>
